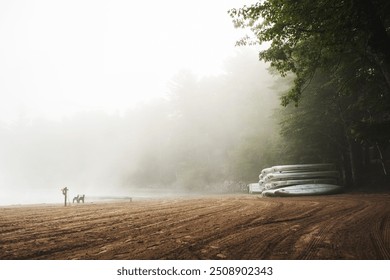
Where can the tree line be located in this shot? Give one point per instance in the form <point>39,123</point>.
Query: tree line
<point>336,57</point>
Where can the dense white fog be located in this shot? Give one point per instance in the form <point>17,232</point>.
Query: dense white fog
<point>193,140</point>
<point>128,99</point>
<point>58,58</point>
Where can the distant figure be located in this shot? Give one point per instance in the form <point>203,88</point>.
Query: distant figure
<point>79,198</point>
<point>65,193</point>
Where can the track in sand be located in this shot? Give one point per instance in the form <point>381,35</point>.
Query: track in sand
<point>345,226</point>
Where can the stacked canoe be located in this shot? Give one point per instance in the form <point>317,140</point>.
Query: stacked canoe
<point>299,180</point>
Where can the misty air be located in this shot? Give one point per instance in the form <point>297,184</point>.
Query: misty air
<point>194,129</point>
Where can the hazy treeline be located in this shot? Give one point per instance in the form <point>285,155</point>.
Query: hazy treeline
<point>335,57</point>
<point>213,133</point>
<point>206,134</point>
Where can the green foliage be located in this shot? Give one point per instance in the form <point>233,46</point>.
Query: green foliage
<point>338,55</point>
<point>309,35</point>
<point>313,131</point>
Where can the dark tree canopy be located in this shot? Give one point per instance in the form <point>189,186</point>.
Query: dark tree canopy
<point>307,35</point>
<point>338,55</point>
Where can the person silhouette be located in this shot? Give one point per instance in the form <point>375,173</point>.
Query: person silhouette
<point>65,193</point>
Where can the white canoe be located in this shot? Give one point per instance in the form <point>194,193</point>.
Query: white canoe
<point>285,183</point>
<point>261,182</point>
<point>268,193</point>
<point>305,189</point>
<point>303,167</point>
<point>297,168</point>
<point>300,175</point>
<point>264,172</point>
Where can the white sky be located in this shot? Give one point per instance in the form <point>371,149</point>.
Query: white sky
<point>61,57</point>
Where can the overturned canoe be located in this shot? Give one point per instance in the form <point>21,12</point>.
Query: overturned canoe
<point>305,189</point>
<point>303,167</point>
<point>264,172</point>
<point>297,168</point>
<point>300,175</point>
<point>286,183</point>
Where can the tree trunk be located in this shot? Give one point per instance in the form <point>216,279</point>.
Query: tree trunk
<point>381,158</point>
<point>343,167</point>
<point>352,163</point>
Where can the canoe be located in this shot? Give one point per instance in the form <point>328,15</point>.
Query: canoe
<point>303,167</point>
<point>261,182</point>
<point>309,189</point>
<point>285,183</point>
<point>268,193</point>
<point>300,175</point>
<point>297,168</point>
<point>265,171</point>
